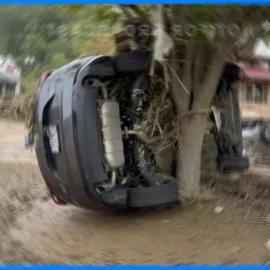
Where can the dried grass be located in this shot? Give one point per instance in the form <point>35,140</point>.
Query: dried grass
<point>19,108</point>
<point>160,127</point>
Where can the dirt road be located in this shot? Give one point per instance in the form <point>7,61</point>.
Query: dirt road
<point>33,230</point>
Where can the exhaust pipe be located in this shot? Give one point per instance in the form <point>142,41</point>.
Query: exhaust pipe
<point>107,186</point>
<point>92,83</point>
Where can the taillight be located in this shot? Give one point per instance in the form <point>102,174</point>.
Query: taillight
<point>57,200</point>
<point>45,75</point>
<point>54,197</point>
<point>43,78</point>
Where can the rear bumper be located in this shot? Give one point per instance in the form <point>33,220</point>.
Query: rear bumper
<point>78,167</point>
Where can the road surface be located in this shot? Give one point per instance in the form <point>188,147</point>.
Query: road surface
<point>36,231</point>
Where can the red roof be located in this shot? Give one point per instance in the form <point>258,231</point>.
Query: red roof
<point>255,75</point>
<point>252,57</point>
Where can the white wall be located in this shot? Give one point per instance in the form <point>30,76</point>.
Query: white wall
<point>261,48</point>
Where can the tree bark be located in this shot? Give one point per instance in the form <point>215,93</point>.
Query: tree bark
<point>193,87</point>
<point>189,157</point>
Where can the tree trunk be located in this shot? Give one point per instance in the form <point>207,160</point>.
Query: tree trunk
<point>195,70</point>
<point>189,158</point>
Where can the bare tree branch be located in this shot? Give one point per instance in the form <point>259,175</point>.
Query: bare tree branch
<point>219,55</point>
<point>198,68</point>
<point>126,12</point>
<point>140,13</point>
<point>186,74</point>
<point>180,97</point>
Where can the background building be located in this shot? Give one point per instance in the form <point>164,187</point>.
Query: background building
<point>254,89</point>
<point>10,77</point>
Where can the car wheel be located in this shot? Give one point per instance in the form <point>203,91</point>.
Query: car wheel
<point>154,195</point>
<point>131,62</point>
<point>232,163</point>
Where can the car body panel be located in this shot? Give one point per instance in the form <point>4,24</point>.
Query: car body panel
<point>64,105</point>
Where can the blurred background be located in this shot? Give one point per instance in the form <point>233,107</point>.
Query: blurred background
<point>33,230</point>
<point>46,37</point>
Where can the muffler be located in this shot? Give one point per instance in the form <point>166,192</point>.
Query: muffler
<point>112,134</point>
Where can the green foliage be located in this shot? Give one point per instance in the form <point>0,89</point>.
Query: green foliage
<point>54,35</point>
<point>58,60</point>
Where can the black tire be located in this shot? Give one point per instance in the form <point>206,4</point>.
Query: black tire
<point>153,196</point>
<point>134,62</point>
<point>232,163</point>
<point>265,134</point>
<point>231,72</point>
<point>102,69</point>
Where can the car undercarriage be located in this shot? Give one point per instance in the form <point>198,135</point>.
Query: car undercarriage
<point>122,103</point>
<point>129,146</point>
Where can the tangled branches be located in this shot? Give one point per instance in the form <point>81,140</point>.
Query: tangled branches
<point>160,127</point>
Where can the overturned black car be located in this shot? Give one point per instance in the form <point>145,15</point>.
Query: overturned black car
<point>86,119</point>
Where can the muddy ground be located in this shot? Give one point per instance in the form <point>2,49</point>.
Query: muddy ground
<point>33,230</point>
